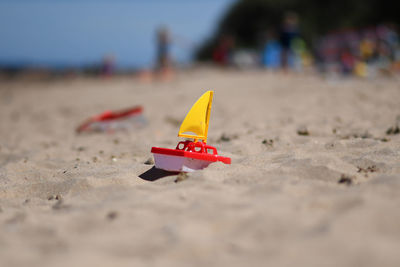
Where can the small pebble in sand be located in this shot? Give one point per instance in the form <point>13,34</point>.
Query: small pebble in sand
<point>181,177</point>
<point>101,152</point>
<point>364,135</point>
<point>302,130</point>
<point>77,159</point>
<point>367,170</point>
<point>149,161</point>
<point>227,138</point>
<point>116,141</point>
<point>224,138</point>
<point>112,215</point>
<point>268,142</point>
<point>56,197</point>
<point>113,158</point>
<point>81,148</point>
<point>393,130</point>
<point>344,179</point>
<point>94,159</point>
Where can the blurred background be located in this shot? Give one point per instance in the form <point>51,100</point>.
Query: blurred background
<point>60,37</point>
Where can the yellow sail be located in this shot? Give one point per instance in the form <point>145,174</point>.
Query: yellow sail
<point>195,125</point>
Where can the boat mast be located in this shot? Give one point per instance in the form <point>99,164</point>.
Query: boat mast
<point>208,116</point>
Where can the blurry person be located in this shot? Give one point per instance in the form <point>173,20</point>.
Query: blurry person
<point>288,33</point>
<point>108,66</point>
<point>301,56</point>
<point>222,54</point>
<point>271,54</point>
<point>163,64</point>
<point>347,60</point>
<point>388,34</point>
<point>245,59</point>
<point>385,56</point>
<point>367,49</point>
<point>394,42</point>
<point>388,50</point>
<point>360,69</point>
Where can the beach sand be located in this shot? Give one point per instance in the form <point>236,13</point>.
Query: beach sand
<point>314,179</point>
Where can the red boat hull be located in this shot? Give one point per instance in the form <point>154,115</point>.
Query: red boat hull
<point>189,154</point>
<point>187,157</point>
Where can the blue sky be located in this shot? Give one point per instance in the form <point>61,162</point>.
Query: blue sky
<point>81,32</point>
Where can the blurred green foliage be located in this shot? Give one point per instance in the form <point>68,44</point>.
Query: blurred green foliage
<point>248,20</point>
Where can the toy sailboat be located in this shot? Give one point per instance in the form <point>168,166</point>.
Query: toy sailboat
<point>189,156</point>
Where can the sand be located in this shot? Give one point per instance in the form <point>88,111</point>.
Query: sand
<point>314,179</point>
